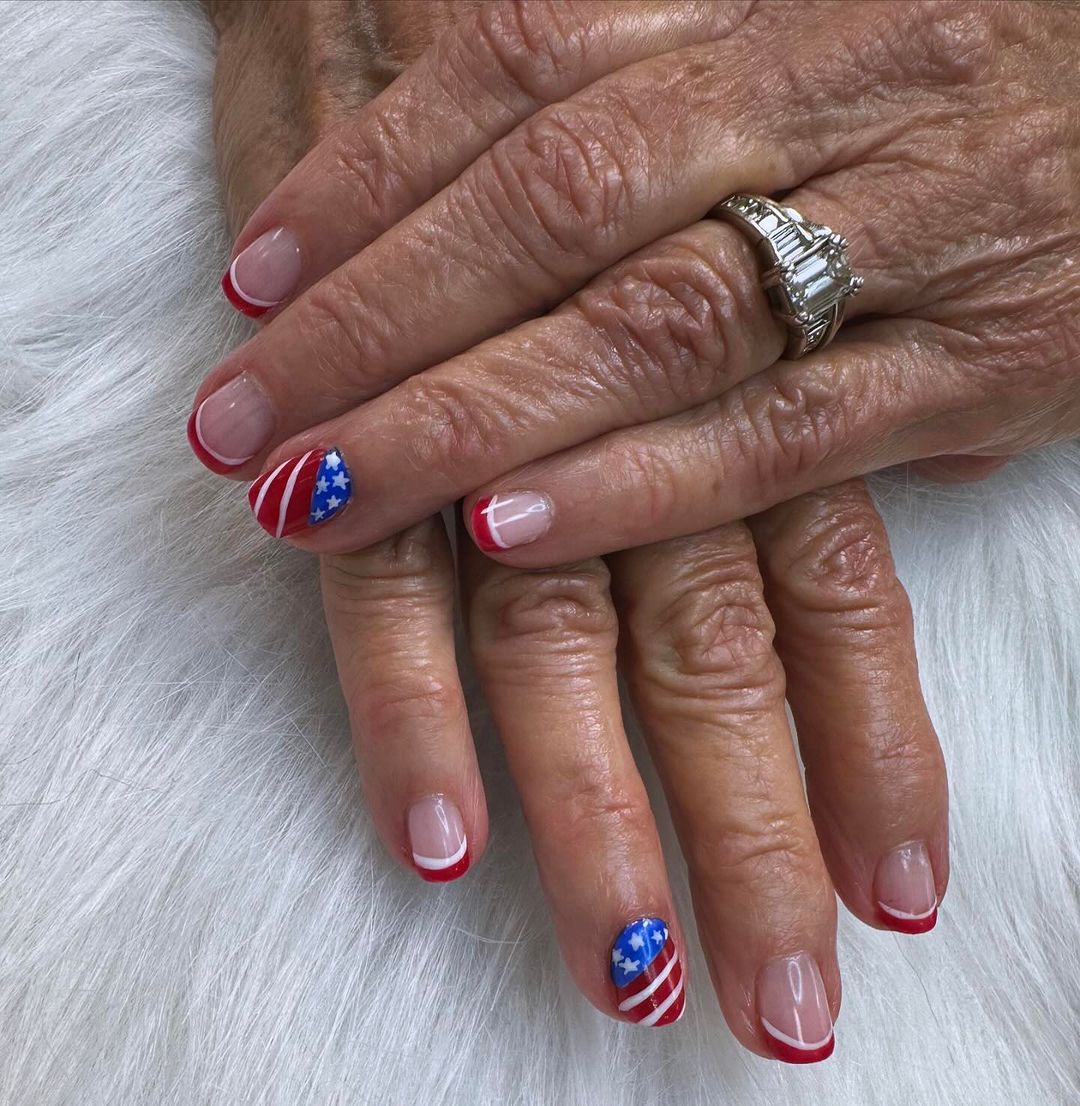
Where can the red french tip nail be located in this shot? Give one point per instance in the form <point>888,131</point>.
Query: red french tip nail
<point>205,457</point>
<point>478,524</point>
<point>789,1055</point>
<point>907,925</point>
<point>252,310</point>
<point>445,875</point>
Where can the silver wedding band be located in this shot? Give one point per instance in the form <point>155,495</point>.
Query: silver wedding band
<point>806,273</point>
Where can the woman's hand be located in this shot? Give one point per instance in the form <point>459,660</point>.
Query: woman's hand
<point>698,653</point>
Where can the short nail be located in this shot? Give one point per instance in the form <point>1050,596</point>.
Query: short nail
<point>230,426</point>
<point>303,491</point>
<point>905,891</point>
<point>504,521</point>
<point>440,849</point>
<point>794,1010</point>
<point>265,274</point>
<point>648,975</point>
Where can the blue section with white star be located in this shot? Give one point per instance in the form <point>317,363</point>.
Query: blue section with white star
<point>636,948</point>
<point>333,488</point>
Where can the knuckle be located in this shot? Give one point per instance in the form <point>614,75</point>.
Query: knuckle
<point>841,562</point>
<point>410,567</point>
<point>563,180</point>
<point>908,756</point>
<point>770,854</point>
<point>652,477</point>
<point>369,166</point>
<point>419,696</point>
<point>328,319</point>
<point>594,807</point>
<point>682,317</point>
<point>561,612</point>
<point>535,46</point>
<point>451,429</point>
<point>790,425</point>
<point>710,638</point>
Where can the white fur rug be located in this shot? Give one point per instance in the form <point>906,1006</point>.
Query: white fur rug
<point>193,908</point>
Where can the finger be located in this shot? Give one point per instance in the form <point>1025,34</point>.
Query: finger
<point>390,614</point>
<point>959,469</point>
<point>574,189</point>
<point>545,651</point>
<point>482,77</point>
<point>710,693</point>
<point>875,774</point>
<point>666,329</point>
<point>885,394</point>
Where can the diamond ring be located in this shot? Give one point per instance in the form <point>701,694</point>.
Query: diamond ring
<point>807,276</point>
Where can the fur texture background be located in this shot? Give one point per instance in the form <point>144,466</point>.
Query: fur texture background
<point>193,907</point>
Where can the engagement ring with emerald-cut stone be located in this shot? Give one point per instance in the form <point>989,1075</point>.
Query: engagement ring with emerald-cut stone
<point>807,276</point>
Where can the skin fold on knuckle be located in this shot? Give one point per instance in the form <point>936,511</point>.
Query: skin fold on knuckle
<point>701,640</point>
<point>830,558</point>
<point>398,579</point>
<point>562,618</point>
<point>567,181</point>
<point>536,48</point>
<point>680,323</point>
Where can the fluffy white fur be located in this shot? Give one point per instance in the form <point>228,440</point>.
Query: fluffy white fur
<point>193,907</point>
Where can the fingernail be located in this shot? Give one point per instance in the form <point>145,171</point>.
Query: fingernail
<point>303,491</point>
<point>265,274</point>
<point>230,426</point>
<point>794,1010</point>
<point>504,521</point>
<point>648,974</point>
<point>440,849</point>
<point>905,891</point>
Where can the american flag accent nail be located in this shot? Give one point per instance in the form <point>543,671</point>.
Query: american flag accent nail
<point>648,974</point>
<point>303,491</point>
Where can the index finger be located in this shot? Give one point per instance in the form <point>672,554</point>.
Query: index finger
<point>495,68</point>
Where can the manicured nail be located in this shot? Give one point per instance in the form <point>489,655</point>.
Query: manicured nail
<point>301,492</point>
<point>440,849</point>
<point>648,974</point>
<point>905,891</point>
<point>503,521</point>
<point>794,1010</point>
<point>265,274</point>
<point>231,425</point>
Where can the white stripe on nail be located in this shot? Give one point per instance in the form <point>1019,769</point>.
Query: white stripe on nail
<point>803,1046</point>
<point>213,452</point>
<point>664,1007</point>
<point>242,294</point>
<point>435,863</point>
<point>904,916</point>
<point>641,996</point>
<point>284,507</point>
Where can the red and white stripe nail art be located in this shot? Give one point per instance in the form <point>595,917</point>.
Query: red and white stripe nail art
<point>301,492</point>
<point>251,307</point>
<point>648,974</point>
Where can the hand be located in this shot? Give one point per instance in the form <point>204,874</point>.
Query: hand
<point>541,147</point>
<point>704,673</point>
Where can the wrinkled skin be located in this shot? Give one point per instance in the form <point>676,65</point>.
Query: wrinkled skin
<point>713,629</point>
<point>590,140</point>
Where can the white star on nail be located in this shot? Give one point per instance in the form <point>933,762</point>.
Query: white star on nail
<point>318,514</point>
<point>340,480</point>
<point>616,956</point>
<point>637,942</point>
<point>333,460</point>
<point>333,503</point>
<point>322,485</point>
<point>659,937</point>
<point>629,965</point>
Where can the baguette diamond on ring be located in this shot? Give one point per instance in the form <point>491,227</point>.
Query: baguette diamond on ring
<point>807,276</point>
